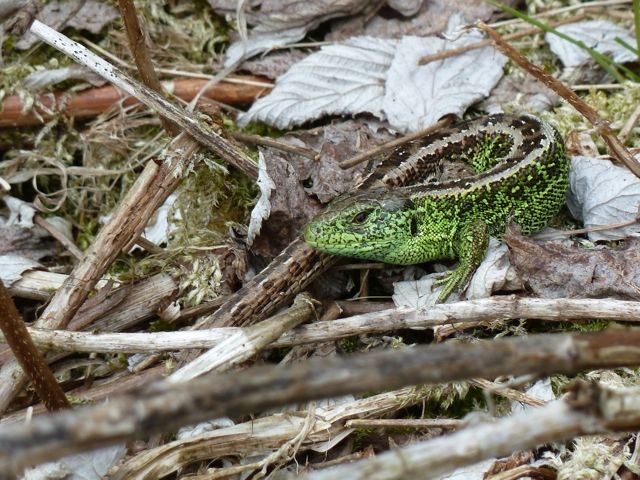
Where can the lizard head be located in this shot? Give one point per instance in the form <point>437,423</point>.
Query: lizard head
<point>371,225</point>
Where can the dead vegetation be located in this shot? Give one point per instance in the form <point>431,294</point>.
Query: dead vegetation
<point>158,164</point>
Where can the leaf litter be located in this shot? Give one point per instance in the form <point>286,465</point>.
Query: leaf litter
<point>370,71</point>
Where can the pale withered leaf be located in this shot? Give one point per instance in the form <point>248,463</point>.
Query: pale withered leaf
<point>604,194</point>
<point>597,34</point>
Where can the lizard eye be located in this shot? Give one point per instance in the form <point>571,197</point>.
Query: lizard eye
<point>360,217</point>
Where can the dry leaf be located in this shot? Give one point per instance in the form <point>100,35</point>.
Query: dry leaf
<point>90,15</point>
<point>382,77</point>
<point>597,34</point>
<point>417,96</point>
<point>280,22</point>
<point>603,194</point>
<point>431,18</point>
<point>21,243</point>
<point>554,270</point>
<point>339,79</point>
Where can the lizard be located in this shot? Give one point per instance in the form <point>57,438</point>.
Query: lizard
<point>520,173</point>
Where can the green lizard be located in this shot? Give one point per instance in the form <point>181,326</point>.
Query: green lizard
<point>521,173</point>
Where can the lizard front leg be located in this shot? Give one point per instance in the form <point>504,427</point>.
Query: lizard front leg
<point>470,246</point>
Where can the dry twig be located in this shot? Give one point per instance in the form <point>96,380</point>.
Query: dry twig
<point>616,147</point>
<point>378,322</point>
<point>94,101</point>
<point>25,351</point>
<point>589,410</point>
<point>165,406</point>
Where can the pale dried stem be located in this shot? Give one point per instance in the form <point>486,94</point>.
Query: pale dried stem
<point>177,115</point>
<point>589,410</point>
<point>380,322</point>
<point>446,423</point>
<point>602,86</point>
<point>164,406</point>
<point>154,184</point>
<point>264,434</point>
<point>246,342</point>
<point>625,131</point>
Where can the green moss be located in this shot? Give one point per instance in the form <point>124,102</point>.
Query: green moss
<point>616,106</point>
<point>361,437</point>
<point>349,344</point>
<point>184,35</point>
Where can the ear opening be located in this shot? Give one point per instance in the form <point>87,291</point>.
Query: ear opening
<point>414,225</point>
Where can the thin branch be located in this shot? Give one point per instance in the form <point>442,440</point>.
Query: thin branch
<point>589,410</point>
<point>92,102</point>
<point>355,160</point>
<point>616,147</point>
<point>379,322</point>
<point>246,342</point>
<point>142,56</point>
<point>270,142</point>
<point>164,406</point>
<point>446,423</point>
<point>29,357</point>
<point>191,125</point>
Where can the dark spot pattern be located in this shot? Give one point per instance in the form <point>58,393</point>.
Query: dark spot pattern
<point>522,173</point>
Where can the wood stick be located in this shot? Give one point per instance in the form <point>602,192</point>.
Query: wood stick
<point>142,56</point>
<point>199,131</point>
<point>29,357</point>
<point>92,102</point>
<point>380,322</point>
<point>164,407</point>
<point>446,423</point>
<point>246,342</point>
<point>588,410</point>
<point>616,148</point>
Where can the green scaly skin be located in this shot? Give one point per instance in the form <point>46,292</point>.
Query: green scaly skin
<point>521,174</point>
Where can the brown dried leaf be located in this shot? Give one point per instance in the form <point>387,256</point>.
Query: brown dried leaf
<point>290,206</point>
<point>274,64</point>
<point>335,143</point>
<point>431,19</point>
<point>291,203</point>
<point>554,270</point>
